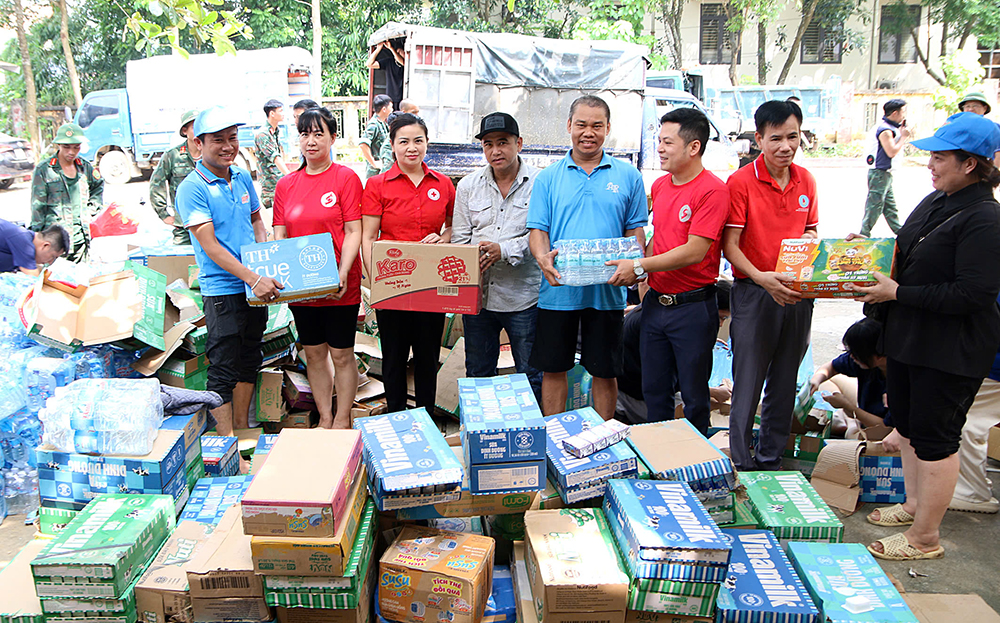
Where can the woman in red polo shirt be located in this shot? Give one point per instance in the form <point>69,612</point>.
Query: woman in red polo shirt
<point>323,196</point>
<point>413,203</point>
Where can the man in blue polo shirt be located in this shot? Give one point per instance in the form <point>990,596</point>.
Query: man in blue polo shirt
<point>26,251</point>
<point>587,194</point>
<point>219,206</point>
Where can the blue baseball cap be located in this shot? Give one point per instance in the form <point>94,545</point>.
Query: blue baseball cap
<point>966,131</point>
<point>214,119</point>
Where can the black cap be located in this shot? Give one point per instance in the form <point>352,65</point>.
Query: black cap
<point>497,122</point>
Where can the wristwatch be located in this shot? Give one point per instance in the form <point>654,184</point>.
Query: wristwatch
<point>637,268</point>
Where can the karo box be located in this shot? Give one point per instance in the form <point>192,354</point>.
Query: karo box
<point>312,504</point>
<point>569,470</point>
<point>501,421</point>
<point>212,497</point>
<point>787,505</point>
<point>821,268</point>
<point>761,586</point>
<point>306,266</point>
<point>573,565</point>
<point>847,584</point>
<point>161,594</point>
<point>664,532</point>
<point>119,533</point>
<point>676,450</point>
<point>409,462</point>
<point>414,276</point>
<point>434,575</point>
<point>220,455</point>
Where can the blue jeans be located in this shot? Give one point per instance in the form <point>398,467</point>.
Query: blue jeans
<point>482,343</point>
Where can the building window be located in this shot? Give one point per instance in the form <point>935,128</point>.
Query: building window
<point>896,42</point>
<point>715,47</point>
<point>821,45</point>
<point>990,60</point>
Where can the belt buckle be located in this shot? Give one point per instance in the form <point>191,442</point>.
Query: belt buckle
<point>667,300</point>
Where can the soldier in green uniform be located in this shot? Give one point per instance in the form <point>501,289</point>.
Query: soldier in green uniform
<point>376,134</point>
<point>67,191</point>
<point>174,166</point>
<point>270,158</point>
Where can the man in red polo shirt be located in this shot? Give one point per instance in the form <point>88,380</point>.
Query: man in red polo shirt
<point>770,199</point>
<point>679,313</point>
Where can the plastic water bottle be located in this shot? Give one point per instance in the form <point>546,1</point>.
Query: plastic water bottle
<point>43,375</point>
<point>88,364</point>
<point>3,500</point>
<point>15,450</point>
<point>16,490</point>
<point>123,442</point>
<point>12,398</point>
<point>91,405</point>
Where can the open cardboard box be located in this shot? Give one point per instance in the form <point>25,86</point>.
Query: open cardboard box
<point>933,608</point>
<point>837,474</point>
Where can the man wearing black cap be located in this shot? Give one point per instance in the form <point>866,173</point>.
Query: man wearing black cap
<point>491,210</point>
<point>270,158</point>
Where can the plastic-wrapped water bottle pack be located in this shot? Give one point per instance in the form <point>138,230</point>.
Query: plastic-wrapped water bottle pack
<point>582,262</point>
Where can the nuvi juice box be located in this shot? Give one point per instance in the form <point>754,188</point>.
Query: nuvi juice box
<point>306,266</point>
<point>821,268</point>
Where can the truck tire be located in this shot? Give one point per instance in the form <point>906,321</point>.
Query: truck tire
<point>7,183</point>
<point>115,167</point>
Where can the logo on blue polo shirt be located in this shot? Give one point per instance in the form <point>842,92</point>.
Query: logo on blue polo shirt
<point>313,257</point>
<point>612,187</point>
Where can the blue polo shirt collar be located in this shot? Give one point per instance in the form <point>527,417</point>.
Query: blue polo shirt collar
<point>211,178</point>
<point>604,164</point>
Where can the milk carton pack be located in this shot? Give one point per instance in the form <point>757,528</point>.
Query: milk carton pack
<point>306,266</point>
<point>120,533</point>
<point>83,609</point>
<point>847,584</point>
<point>822,268</point>
<point>516,477</point>
<point>409,462</point>
<point>501,421</point>
<point>676,450</point>
<point>569,470</point>
<point>595,438</point>
<point>787,505</point>
<point>162,593</point>
<point>687,599</point>
<point>220,455</point>
<point>212,497</point>
<point>761,586</point>
<point>664,532</point>
<point>881,476</point>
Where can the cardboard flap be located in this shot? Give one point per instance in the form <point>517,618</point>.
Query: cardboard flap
<point>447,378</point>
<point>837,473</point>
<point>874,448</point>
<point>153,359</point>
<point>369,389</point>
<point>932,608</point>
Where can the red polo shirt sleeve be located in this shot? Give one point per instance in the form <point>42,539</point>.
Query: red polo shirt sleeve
<point>738,201</point>
<point>371,198</point>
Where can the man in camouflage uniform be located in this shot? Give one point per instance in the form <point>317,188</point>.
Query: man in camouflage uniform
<point>67,191</point>
<point>270,158</point>
<point>376,134</point>
<point>174,166</point>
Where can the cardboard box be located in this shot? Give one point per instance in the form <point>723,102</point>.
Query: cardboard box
<point>18,601</point>
<point>762,586</point>
<point>262,449</point>
<point>993,444</point>
<point>407,459</point>
<point>223,567</point>
<point>425,277</point>
<point>787,505</point>
<point>452,369</point>
<point>306,266</point>
<point>821,268</point>
<point>303,556</point>
<point>573,565</point>
<point>664,532</point>
<point>431,573</point>
<point>219,455</point>
<point>501,421</point>
<point>676,450</point>
<point>244,609</point>
<point>212,497</point>
<point>276,505</point>
<point>270,403</point>
<point>673,597</point>
<point>519,477</point>
<point>161,594</point>
<point>79,478</point>
<point>834,572</point>
<point>836,475</point>
<point>522,586</point>
<point>185,371</point>
<point>567,470</point>
<point>192,426</point>
<point>934,608</point>
<point>52,521</point>
<point>298,392</point>
<point>635,616</point>
<point>120,534</point>
<point>881,475</point>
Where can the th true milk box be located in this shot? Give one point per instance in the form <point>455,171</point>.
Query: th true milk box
<point>568,470</point>
<point>664,532</point>
<point>409,462</point>
<point>162,594</point>
<point>311,503</point>
<point>212,497</point>
<point>414,276</point>
<point>821,268</point>
<point>501,421</point>
<point>118,533</point>
<point>676,450</point>
<point>787,505</point>
<point>220,455</point>
<point>762,586</point>
<point>78,478</point>
<point>306,266</point>
<point>847,584</point>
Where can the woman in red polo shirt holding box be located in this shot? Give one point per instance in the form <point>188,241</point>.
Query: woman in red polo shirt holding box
<point>323,196</point>
<point>412,203</point>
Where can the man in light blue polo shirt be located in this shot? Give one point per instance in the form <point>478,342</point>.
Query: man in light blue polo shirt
<point>588,195</point>
<point>219,206</point>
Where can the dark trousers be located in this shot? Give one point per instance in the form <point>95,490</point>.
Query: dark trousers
<point>399,331</point>
<point>769,342</point>
<point>482,343</point>
<point>676,343</point>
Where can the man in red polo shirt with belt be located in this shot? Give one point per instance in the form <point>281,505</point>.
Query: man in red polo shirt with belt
<point>770,199</point>
<point>680,316</point>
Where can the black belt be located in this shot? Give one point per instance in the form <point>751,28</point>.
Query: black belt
<point>691,296</point>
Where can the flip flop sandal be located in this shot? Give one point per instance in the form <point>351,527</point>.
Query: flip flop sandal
<point>891,516</point>
<point>896,547</point>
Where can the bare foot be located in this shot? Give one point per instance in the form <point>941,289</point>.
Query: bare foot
<point>244,466</point>
<point>342,423</point>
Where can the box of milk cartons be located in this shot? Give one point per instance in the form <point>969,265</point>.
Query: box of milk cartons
<point>306,266</point>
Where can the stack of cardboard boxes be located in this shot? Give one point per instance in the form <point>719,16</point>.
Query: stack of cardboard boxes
<point>579,478</point>
<point>220,455</point>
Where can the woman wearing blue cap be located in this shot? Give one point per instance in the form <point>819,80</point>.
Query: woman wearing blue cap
<point>942,326</point>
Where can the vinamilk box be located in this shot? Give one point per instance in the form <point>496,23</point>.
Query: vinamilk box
<point>414,276</point>
<point>821,268</point>
<point>501,421</point>
<point>787,505</point>
<point>306,266</point>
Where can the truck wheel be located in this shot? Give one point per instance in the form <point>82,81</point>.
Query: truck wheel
<point>7,183</point>
<point>115,167</point>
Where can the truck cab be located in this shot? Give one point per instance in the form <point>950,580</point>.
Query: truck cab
<point>104,117</point>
